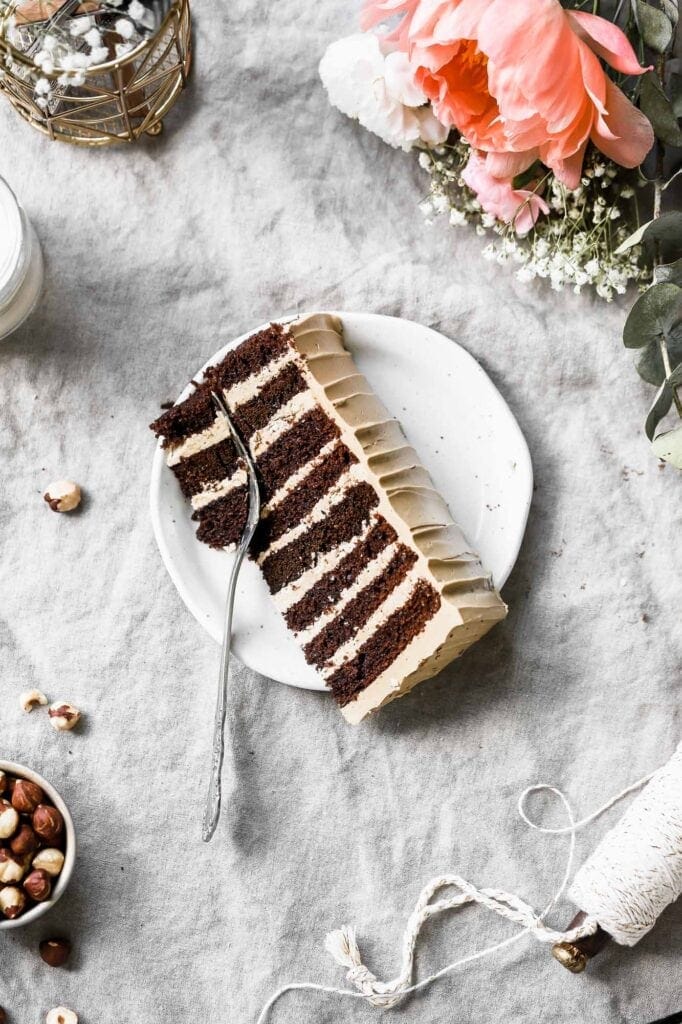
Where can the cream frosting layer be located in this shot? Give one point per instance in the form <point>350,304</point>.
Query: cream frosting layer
<point>218,431</point>
<point>283,420</point>
<point>218,489</point>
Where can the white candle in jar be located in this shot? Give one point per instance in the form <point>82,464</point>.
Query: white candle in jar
<point>21,263</point>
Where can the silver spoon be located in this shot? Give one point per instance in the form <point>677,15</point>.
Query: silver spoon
<point>213,801</point>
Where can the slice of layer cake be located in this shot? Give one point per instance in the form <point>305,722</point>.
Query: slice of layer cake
<point>360,552</point>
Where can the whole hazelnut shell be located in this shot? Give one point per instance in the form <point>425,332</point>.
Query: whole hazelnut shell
<point>12,868</point>
<point>48,823</point>
<point>38,885</point>
<point>50,860</point>
<point>26,796</point>
<point>25,841</point>
<point>55,952</point>
<point>12,902</point>
<point>9,819</point>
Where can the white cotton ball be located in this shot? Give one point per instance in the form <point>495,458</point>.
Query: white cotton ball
<point>93,38</point>
<point>124,27</point>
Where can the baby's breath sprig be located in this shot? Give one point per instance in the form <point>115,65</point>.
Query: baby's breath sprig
<point>574,246</point>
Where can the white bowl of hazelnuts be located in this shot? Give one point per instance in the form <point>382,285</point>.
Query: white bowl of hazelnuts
<point>37,845</point>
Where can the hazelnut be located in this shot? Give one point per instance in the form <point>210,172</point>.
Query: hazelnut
<point>11,868</point>
<point>47,822</point>
<point>3,1015</point>
<point>12,901</point>
<point>30,699</point>
<point>49,860</point>
<point>9,820</point>
<point>63,496</point>
<point>63,717</point>
<point>26,796</point>
<point>61,1015</point>
<point>55,952</point>
<point>24,842</point>
<point>38,885</point>
<point>3,787</point>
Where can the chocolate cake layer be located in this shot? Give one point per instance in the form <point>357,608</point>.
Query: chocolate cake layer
<point>344,522</point>
<point>389,640</point>
<point>192,416</point>
<point>248,358</point>
<point>328,590</point>
<point>214,463</point>
<point>256,413</point>
<point>292,509</point>
<point>293,449</point>
<point>222,522</point>
<point>357,612</point>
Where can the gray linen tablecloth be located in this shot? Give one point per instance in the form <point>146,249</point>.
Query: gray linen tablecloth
<point>258,198</point>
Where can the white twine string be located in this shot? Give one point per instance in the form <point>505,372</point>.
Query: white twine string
<point>342,945</point>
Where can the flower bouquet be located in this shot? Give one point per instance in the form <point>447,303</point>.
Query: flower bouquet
<point>553,130</point>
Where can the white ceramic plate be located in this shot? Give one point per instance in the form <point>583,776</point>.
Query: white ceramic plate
<point>465,435</point>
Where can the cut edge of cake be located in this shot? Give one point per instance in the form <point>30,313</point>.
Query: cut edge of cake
<point>408,500</point>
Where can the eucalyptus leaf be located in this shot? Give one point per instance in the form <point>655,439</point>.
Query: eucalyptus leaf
<point>659,409</point>
<point>658,108</point>
<point>666,228</point>
<point>655,27</point>
<point>670,8</point>
<point>635,238</point>
<point>668,446</point>
<point>675,378</point>
<point>670,272</point>
<point>652,315</point>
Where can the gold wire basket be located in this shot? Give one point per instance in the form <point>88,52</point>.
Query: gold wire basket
<point>120,100</point>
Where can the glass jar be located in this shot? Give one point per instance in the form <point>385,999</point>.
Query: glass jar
<point>21,263</point>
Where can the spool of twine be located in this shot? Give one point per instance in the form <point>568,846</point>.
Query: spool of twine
<point>635,872</point>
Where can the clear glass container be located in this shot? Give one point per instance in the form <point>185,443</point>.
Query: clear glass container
<point>21,263</point>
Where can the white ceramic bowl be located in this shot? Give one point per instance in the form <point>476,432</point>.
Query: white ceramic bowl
<point>11,768</point>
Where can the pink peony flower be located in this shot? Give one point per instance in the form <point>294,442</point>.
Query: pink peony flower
<point>516,206</point>
<point>521,80</point>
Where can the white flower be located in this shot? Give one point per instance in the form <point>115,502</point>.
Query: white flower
<point>378,91</point>
<point>458,217</point>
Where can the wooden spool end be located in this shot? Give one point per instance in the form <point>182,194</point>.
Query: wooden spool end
<point>575,956</point>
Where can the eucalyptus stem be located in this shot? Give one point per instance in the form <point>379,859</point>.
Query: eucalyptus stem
<point>658,197</point>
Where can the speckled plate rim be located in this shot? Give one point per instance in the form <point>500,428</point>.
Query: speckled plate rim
<point>487,439</point>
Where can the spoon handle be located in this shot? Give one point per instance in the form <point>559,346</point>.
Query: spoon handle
<point>214,796</point>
